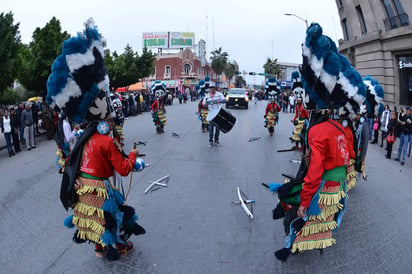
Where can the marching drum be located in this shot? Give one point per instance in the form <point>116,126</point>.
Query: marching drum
<point>222,119</point>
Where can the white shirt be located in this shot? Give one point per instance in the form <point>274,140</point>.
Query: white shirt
<point>68,133</point>
<point>214,102</point>
<point>292,100</point>
<point>6,124</point>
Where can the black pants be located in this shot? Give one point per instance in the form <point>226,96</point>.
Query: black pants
<point>375,136</point>
<point>388,150</point>
<point>384,134</point>
<point>16,142</point>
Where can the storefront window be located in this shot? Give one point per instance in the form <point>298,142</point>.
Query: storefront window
<point>405,77</point>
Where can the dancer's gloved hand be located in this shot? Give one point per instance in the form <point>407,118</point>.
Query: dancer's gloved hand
<point>140,164</point>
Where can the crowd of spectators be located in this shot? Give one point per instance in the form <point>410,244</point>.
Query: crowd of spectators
<point>397,123</point>
<point>21,123</point>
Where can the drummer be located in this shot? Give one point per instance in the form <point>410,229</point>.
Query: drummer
<point>213,100</point>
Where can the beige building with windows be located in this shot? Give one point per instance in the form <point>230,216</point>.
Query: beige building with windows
<point>378,42</point>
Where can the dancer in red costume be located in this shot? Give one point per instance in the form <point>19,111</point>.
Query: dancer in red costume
<point>323,196</point>
<point>78,86</point>
<point>272,113</point>
<point>158,106</point>
<point>301,115</point>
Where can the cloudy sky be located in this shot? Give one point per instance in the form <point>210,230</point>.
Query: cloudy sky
<point>249,31</point>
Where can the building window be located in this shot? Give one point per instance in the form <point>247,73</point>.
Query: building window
<point>396,17</point>
<point>187,68</point>
<point>339,2</point>
<point>403,17</point>
<point>167,69</point>
<point>345,29</point>
<point>361,19</point>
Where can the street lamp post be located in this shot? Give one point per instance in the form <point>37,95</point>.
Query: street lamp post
<point>304,20</point>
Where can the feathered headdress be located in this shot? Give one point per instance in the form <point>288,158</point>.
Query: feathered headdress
<point>297,86</point>
<point>207,83</point>
<point>374,96</point>
<point>79,83</point>
<point>272,85</point>
<point>204,86</point>
<point>329,81</point>
<point>158,89</point>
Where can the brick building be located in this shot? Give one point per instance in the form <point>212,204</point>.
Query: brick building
<point>180,70</point>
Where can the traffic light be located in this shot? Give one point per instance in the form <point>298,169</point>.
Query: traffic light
<point>238,72</point>
<point>252,73</point>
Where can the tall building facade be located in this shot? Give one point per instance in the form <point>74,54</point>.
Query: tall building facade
<point>378,42</point>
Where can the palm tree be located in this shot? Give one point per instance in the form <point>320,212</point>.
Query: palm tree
<point>272,67</point>
<point>219,60</point>
<point>230,71</point>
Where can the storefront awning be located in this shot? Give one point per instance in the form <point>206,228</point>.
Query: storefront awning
<point>136,87</point>
<point>122,89</point>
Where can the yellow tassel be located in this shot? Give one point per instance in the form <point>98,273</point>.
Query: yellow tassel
<point>331,199</point>
<point>101,192</point>
<point>318,227</point>
<point>88,210</point>
<point>89,224</point>
<point>89,236</point>
<point>162,117</point>
<point>352,174</point>
<point>351,183</point>
<point>309,245</point>
<point>326,212</point>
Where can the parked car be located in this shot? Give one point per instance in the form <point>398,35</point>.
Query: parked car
<point>237,97</point>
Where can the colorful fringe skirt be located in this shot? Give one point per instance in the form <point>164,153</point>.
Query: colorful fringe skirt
<point>61,157</point>
<point>119,131</point>
<point>324,214</point>
<point>162,117</point>
<point>97,199</point>
<point>203,113</point>
<point>297,134</point>
<point>352,175</point>
<point>271,119</point>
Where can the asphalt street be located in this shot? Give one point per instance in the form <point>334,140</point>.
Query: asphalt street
<point>192,225</point>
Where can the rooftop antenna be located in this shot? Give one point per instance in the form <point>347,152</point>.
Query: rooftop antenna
<point>272,49</point>
<point>206,37</point>
<point>213,20</point>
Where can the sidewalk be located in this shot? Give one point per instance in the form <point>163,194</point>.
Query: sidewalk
<point>3,140</point>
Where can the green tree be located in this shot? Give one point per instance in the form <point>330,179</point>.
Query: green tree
<point>9,97</point>
<point>272,67</point>
<point>39,56</point>
<point>128,68</point>
<point>145,63</point>
<point>219,60</point>
<point>240,82</point>
<point>230,71</point>
<point>9,43</point>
